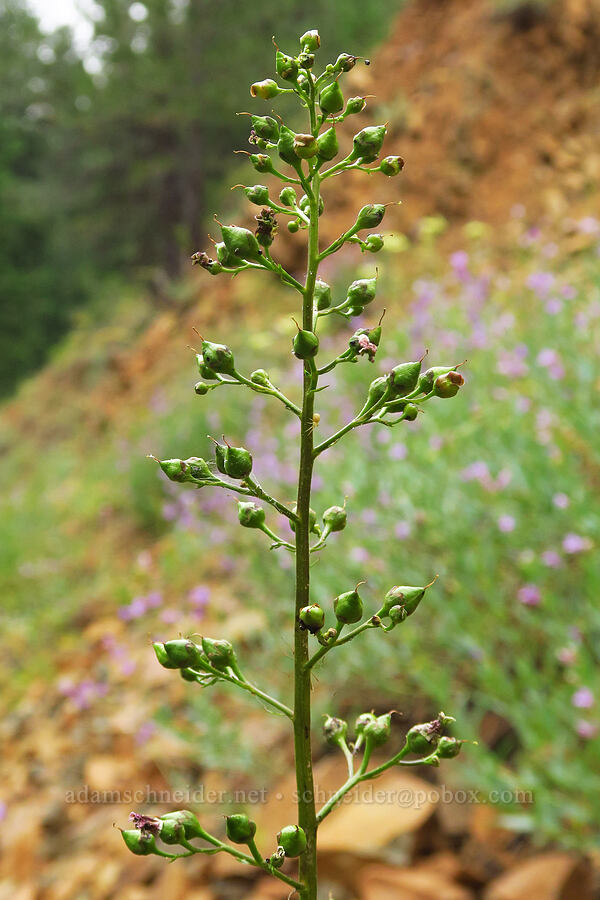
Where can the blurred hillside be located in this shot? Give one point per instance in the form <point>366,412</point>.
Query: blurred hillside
<point>496,112</point>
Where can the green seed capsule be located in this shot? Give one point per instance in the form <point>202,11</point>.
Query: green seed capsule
<point>218,357</point>
<point>211,265</point>
<point>310,41</point>
<point>259,376</point>
<point>335,730</point>
<point>262,163</point>
<point>305,344</point>
<point>334,519</point>
<point>220,653</point>
<point>250,515</point>
<point>327,145</point>
<point>241,243</point>
<point>201,388</point>
<point>344,62</point>
<point>286,66</point>
<point>174,469</point>
<point>220,450</point>
<point>377,390</point>
<point>448,747</point>
<point>312,618</point>
<point>362,721</point>
<point>322,295</point>
<point>277,859</point>
<point>411,411</point>
<point>305,61</point>
<point>305,146</point>
<point>403,379</point>
<point>428,378</point>
<point>331,99</point>
<point>373,243</point>
<point>185,819</point>
<point>288,196</point>
<point>292,839</point>
<point>348,607</point>
<point>266,127</point>
<point>293,226</point>
<point>312,521</point>
<point>227,259</point>
<point>355,105</point>
<point>240,829</point>
<point>304,205</point>
<point>397,615</point>
<point>257,194</point>
<point>285,146</point>
<point>139,842</point>
<point>378,731</point>
<point>183,653</point>
<point>162,656</point>
<point>368,142</point>
<point>187,674</point>
<point>446,386</point>
<point>406,596</point>
<point>370,216</point>
<point>266,89</point>
<point>391,165</point>
<point>424,738</point>
<point>362,291</point>
<point>238,462</point>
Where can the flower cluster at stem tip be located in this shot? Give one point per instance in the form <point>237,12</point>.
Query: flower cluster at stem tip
<point>302,162</point>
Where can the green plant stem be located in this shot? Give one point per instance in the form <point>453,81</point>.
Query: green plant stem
<point>257,491</point>
<point>307,870</point>
<point>255,860</point>
<point>363,775</point>
<point>246,686</point>
<point>339,641</point>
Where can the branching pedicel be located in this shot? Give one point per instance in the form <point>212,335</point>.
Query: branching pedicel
<point>391,399</point>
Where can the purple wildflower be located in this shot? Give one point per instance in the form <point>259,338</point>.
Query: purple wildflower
<point>506,523</point>
<point>529,595</point>
<point>552,559</point>
<point>582,698</point>
<point>402,530</point>
<point>561,501</point>
<point>575,543</point>
<point>586,730</point>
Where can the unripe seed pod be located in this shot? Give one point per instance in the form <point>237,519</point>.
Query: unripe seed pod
<point>250,515</point>
<point>286,66</point>
<point>265,89</point>
<point>335,730</point>
<point>362,721</point>
<point>448,747</point>
<point>305,344</point>
<point>285,146</point>
<point>304,204</point>
<point>185,819</point>
<point>377,390</point>
<point>305,61</point>
<point>266,127</point>
<point>354,311</point>
<point>312,521</point>
<point>406,596</point>
<point>378,731</point>
<point>219,357</point>
<point>238,462</point>
<point>201,388</point>
<point>262,163</point>
<point>397,614</point>
<point>197,468</point>
<point>331,99</point>
<point>220,450</point>
<point>335,519</point>
<point>368,142</point>
<point>411,411</point>
<point>187,674</point>
<point>322,295</point>
<point>424,738</point>
<point>288,196</point>
<point>345,62</point>
<point>373,243</point>
<point>348,607</point>
<point>186,470</point>
<point>174,469</point>
<point>182,653</point>
<point>257,194</point>
<point>362,291</point>
<point>391,165</point>
<point>219,653</point>
<point>446,386</point>
<point>305,146</point>
<point>293,226</point>
<point>202,259</point>
<point>428,378</point>
<point>162,656</point>
<point>240,829</point>
<point>205,371</point>
<point>241,243</point>
<point>355,105</point>
<point>277,859</point>
<point>139,842</point>
<point>226,258</point>
<point>370,216</point>
<point>310,41</point>
<point>312,618</point>
<point>292,839</point>
<point>403,378</point>
<point>328,146</point>
<point>259,376</point>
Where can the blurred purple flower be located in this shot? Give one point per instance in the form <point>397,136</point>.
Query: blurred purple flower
<point>552,559</point>
<point>199,596</point>
<point>360,555</point>
<point>3,810</point>
<point>569,292</point>
<point>589,225</point>
<point>541,283</point>
<point>169,616</point>
<point>561,501</point>
<point>436,442</point>
<point>575,543</point>
<point>506,523</point>
<point>477,471</point>
<point>582,698</point>
<point>547,357</point>
<point>402,530</point>
<point>567,655</point>
<point>511,364</point>
<point>460,265</point>
<point>529,595</point>
<point>144,732</point>
<point>586,730</point>
<point>553,306</point>
<point>398,451</point>
<point>368,516</point>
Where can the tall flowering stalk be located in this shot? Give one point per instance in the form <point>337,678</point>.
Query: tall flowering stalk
<point>302,161</point>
